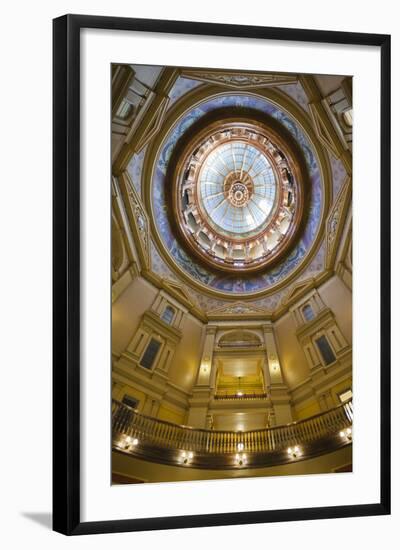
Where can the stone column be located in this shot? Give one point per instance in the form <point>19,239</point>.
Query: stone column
<point>206,374</point>
<point>205,384</point>
<point>277,389</point>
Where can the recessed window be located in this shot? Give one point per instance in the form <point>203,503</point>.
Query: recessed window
<point>348,117</point>
<point>130,401</point>
<point>168,315</point>
<point>345,395</point>
<point>325,350</point>
<point>124,109</point>
<point>150,354</point>
<point>308,312</point>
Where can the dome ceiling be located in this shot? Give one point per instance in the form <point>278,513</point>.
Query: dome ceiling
<point>238,194</point>
<point>236,200</point>
<point>236,188</point>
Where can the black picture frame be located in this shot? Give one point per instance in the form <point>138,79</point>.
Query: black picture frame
<point>66,273</point>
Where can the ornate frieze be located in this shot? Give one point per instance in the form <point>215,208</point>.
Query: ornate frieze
<point>233,79</point>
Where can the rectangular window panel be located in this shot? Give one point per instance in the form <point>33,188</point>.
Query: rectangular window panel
<point>325,350</point>
<point>168,315</point>
<point>308,312</point>
<point>150,354</point>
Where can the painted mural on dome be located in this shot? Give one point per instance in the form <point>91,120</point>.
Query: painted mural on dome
<point>233,284</point>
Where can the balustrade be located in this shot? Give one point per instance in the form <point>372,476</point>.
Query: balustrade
<point>128,425</point>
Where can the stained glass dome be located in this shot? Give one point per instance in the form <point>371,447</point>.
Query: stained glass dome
<point>236,195</point>
<point>237,189</point>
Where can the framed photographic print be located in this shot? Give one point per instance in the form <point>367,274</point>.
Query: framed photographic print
<point>221,274</point>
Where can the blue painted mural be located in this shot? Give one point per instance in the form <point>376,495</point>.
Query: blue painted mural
<point>227,283</point>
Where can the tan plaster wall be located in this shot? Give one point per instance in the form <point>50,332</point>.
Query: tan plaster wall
<point>338,298</point>
<point>294,365</point>
<point>127,311</point>
<point>183,369</point>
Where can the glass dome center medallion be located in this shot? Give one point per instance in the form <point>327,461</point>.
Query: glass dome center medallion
<point>237,188</point>
<point>238,192</point>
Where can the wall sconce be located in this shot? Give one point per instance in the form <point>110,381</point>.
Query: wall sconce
<point>275,365</point>
<point>241,459</point>
<point>346,434</point>
<point>186,457</point>
<point>205,364</point>
<point>127,442</point>
<point>294,452</point>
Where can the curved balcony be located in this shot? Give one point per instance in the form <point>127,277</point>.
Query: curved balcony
<point>156,440</point>
<point>239,396</point>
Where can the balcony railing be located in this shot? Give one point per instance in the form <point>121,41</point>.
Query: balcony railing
<point>239,396</point>
<point>160,441</point>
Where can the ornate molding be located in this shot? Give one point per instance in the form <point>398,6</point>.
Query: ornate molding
<point>298,290</point>
<point>238,309</point>
<point>154,124</point>
<point>239,79</point>
<point>180,292</point>
<point>138,219</point>
<point>335,223</point>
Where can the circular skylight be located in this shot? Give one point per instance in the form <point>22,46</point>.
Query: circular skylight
<point>237,199</point>
<point>237,188</point>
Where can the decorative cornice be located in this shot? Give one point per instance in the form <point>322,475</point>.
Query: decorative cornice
<point>180,292</point>
<point>238,79</point>
<point>161,283</point>
<point>298,289</point>
<point>239,309</point>
<point>150,319</point>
